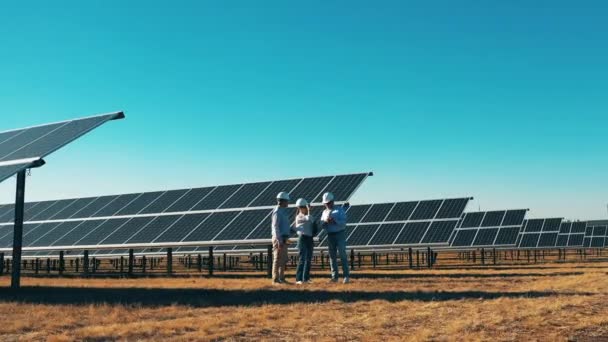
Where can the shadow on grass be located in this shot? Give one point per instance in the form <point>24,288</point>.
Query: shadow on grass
<point>461,275</point>
<point>219,298</point>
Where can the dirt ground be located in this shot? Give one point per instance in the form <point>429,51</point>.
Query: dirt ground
<point>540,302</point>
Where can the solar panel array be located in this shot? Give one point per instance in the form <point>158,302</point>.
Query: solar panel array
<point>224,197</point>
<point>191,215</point>
<point>595,236</point>
<point>571,234</point>
<point>402,224</point>
<point>19,149</point>
<point>540,233</point>
<point>489,229</point>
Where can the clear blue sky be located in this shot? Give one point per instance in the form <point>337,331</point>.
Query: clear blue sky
<point>505,101</point>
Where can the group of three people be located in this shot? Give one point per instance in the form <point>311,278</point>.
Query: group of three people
<point>333,221</point>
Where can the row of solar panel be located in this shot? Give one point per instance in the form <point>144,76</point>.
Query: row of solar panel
<point>223,225</point>
<point>489,229</point>
<point>596,236</point>
<point>198,199</point>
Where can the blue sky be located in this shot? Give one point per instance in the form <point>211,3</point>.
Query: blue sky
<point>501,100</point>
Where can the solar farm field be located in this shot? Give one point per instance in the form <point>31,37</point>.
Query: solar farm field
<point>552,301</point>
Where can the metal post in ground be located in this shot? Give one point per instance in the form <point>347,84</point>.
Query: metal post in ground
<point>1,264</point>
<point>18,230</point>
<point>211,259</point>
<point>494,255</point>
<point>199,263</point>
<point>61,263</point>
<point>483,256</point>
<point>352,259</point>
<point>429,257</point>
<point>131,262</point>
<point>143,264</point>
<point>410,257</point>
<point>418,259</point>
<point>169,261</point>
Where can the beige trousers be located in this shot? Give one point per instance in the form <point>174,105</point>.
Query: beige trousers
<point>279,260</point>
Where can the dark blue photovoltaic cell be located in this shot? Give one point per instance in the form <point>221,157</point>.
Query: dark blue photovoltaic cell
<point>599,231</point>
<point>576,240</point>
<point>52,210</point>
<point>552,225</point>
<point>485,237</point>
<point>182,228</point>
<point>529,240</point>
<point>262,231</point>
<point>342,187</point>
<point>412,233</point>
<point>212,226</point>
<point>472,220</point>
<point>386,234</point>
<point>73,208</point>
<point>165,201</point>
<point>452,208</point>
<point>101,232</point>
<point>139,203</point>
<point>310,188</point>
<point>493,218</point>
<point>9,149</point>
<point>154,228</point>
<point>243,225</point>
<point>217,197</point>
<point>514,217</point>
<point>587,242</point>
<point>578,227</point>
<point>507,236</point>
<point>547,240</point>
<point>426,210</point>
<point>245,195</point>
<point>362,235</point>
<point>43,145</point>
<point>78,233</point>
<point>54,232</point>
<point>378,212</point>
<point>562,240</point>
<point>189,200</point>
<point>269,196</point>
<point>356,213</point>
<point>440,232</point>
<point>597,242</point>
<point>34,232</point>
<point>565,228</point>
<point>96,206</point>
<point>534,225</point>
<point>116,205</point>
<point>125,231</point>
<point>464,238</point>
<point>402,211</point>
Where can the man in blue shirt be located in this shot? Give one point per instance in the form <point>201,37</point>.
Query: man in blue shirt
<point>334,223</point>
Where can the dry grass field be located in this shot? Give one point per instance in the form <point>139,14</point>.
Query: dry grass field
<point>545,302</point>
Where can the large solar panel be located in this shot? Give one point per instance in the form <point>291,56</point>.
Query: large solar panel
<point>148,218</point>
<point>403,224</point>
<point>235,196</point>
<point>488,229</point>
<point>595,236</point>
<point>571,234</point>
<point>21,149</point>
<point>540,233</point>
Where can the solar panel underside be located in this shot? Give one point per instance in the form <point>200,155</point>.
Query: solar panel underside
<point>129,219</point>
<point>39,141</point>
<point>488,229</point>
<point>540,233</point>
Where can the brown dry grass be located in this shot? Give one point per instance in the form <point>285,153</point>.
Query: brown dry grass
<point>551,302</point>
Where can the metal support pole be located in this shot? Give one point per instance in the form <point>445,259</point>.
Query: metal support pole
<point>224,262</point>
<point>494,255</point>
<point>85,263</point>
<point>418,259</point>
<point>211,261</point>
<point>410,256</point>
<point>131,262</point>
<point>18,230</point>
<point>483,256</point>
<point>169,261</point>
<point>143,264</point>
<point>1,264</point>
<point>61,263</point>
<point>199,262</point>
<point>352,259</point>
<point>429,257</point>
<point>37,266</point>
<point>122,264</point>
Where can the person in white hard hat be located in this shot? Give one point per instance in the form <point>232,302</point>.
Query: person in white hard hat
<point>281,228</point>
<point>334,223</point>
<point>306,229</point>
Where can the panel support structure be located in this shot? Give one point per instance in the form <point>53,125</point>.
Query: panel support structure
<point>18,230</point>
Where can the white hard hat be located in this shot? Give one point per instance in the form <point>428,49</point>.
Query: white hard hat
<point>283,196</point>
<point>301,203</point>
<point>328,197</point>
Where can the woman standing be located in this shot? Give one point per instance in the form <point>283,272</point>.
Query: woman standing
<point>305,227</point>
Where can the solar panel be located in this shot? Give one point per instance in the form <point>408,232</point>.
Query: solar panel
<point>488,229</point>
<point>540,233</point>
<point>22,149</point>
<point>596,236</point>
<point>571,234</point>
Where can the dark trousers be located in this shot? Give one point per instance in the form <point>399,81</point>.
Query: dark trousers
<point>305,245</point>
